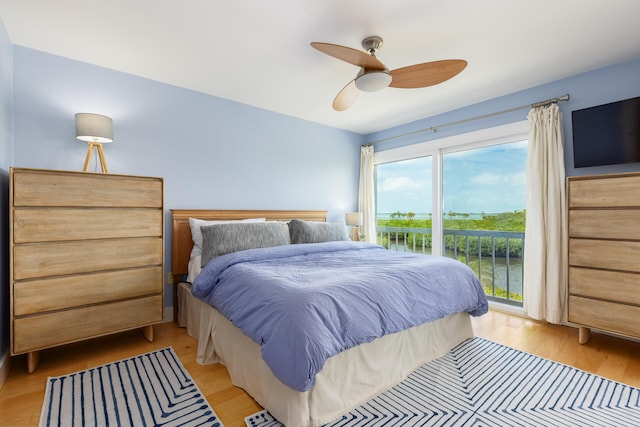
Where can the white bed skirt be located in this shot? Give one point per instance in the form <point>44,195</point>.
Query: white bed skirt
<point>347,380</point>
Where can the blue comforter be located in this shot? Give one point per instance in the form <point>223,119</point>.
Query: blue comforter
<point>304,303</point>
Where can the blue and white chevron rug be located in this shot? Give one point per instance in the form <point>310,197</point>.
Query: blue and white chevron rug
<point>152,389</point>
<point>482,383</point>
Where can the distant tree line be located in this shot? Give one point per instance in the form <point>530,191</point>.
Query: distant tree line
<point>506,221</point>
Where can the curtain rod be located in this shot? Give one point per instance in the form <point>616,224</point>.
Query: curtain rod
<point>435,128</point>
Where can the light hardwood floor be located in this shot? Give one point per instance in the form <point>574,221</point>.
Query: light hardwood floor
<point>22,394</point>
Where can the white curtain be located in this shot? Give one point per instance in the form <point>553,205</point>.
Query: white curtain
<point>545,249</point>
<point>366,195</point>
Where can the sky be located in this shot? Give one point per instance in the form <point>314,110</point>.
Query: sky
<point>489,179</point>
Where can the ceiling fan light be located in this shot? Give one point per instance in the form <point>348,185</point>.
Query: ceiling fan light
<point>373,81</point>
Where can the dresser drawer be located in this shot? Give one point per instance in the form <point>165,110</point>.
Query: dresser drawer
<point>77,189</point>
<point>64,224</point>
<point>41,331</point>
<point>622,224</point>
<point>65,292</point>
<point>608,316</point>
<point>606,285</point>
<point>67,258</point>
<point>607,191</point>
<point>606,254</point>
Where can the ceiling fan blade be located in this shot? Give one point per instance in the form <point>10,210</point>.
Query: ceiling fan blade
<point>352,56</point>
<point>347,96</point>
<point>426,74</point>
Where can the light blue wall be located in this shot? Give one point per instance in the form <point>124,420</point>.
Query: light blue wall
<point>211,152</point>
<point>6,112</point>
<point>586,90</point>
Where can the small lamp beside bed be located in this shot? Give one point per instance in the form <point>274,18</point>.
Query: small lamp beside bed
<point>354,219</point>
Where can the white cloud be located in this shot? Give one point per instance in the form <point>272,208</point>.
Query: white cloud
<point>488,178</point>
<point>401,183</point>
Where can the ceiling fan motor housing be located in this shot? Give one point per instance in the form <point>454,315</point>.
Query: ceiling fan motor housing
<point>370,80</point>
<point>372,44</point>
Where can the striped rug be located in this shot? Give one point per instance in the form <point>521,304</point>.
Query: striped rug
<point>482,383</point>
<point>152,389</point>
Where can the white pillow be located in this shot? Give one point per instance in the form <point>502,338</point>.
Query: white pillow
<point>196,234</point>
<point>194,268</point>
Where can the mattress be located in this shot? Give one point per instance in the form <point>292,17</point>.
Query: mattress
<point>347,380</point>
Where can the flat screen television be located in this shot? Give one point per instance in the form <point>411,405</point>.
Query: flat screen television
<point>607,134</point>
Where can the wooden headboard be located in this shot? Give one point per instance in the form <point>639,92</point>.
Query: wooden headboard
<point>182,243</point>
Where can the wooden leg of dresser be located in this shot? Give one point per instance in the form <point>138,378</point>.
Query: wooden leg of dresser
<point>584,334</point>
<point>33,357</point>
<point>147,331</point>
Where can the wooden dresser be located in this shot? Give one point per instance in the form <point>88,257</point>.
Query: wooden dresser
<point>87,256</point>
<point>604,253</point>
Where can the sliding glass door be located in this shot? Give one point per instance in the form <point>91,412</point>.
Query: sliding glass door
<point>462,200</point>
<point>484,201</point>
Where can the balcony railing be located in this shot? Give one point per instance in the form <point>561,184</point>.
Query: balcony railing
<point>495,256</point>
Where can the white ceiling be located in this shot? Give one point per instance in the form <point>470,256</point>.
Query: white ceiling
<point>257,52</point>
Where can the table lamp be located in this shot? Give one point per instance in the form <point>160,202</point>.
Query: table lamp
<point>354,219</point>
<point>95,129</point>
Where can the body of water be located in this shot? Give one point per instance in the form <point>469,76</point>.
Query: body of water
<point>471,215</point>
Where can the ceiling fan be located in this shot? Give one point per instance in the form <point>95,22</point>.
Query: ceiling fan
<point>374,75</point>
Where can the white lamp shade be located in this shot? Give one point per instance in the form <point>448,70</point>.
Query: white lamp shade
<point>354,218</point>
<point>94,128</point>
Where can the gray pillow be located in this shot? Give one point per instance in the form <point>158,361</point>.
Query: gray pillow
<point>196,235</point>
<point>220,239</point>
<point>316,232</point>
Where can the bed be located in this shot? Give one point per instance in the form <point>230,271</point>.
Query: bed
<point>344,380</point>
